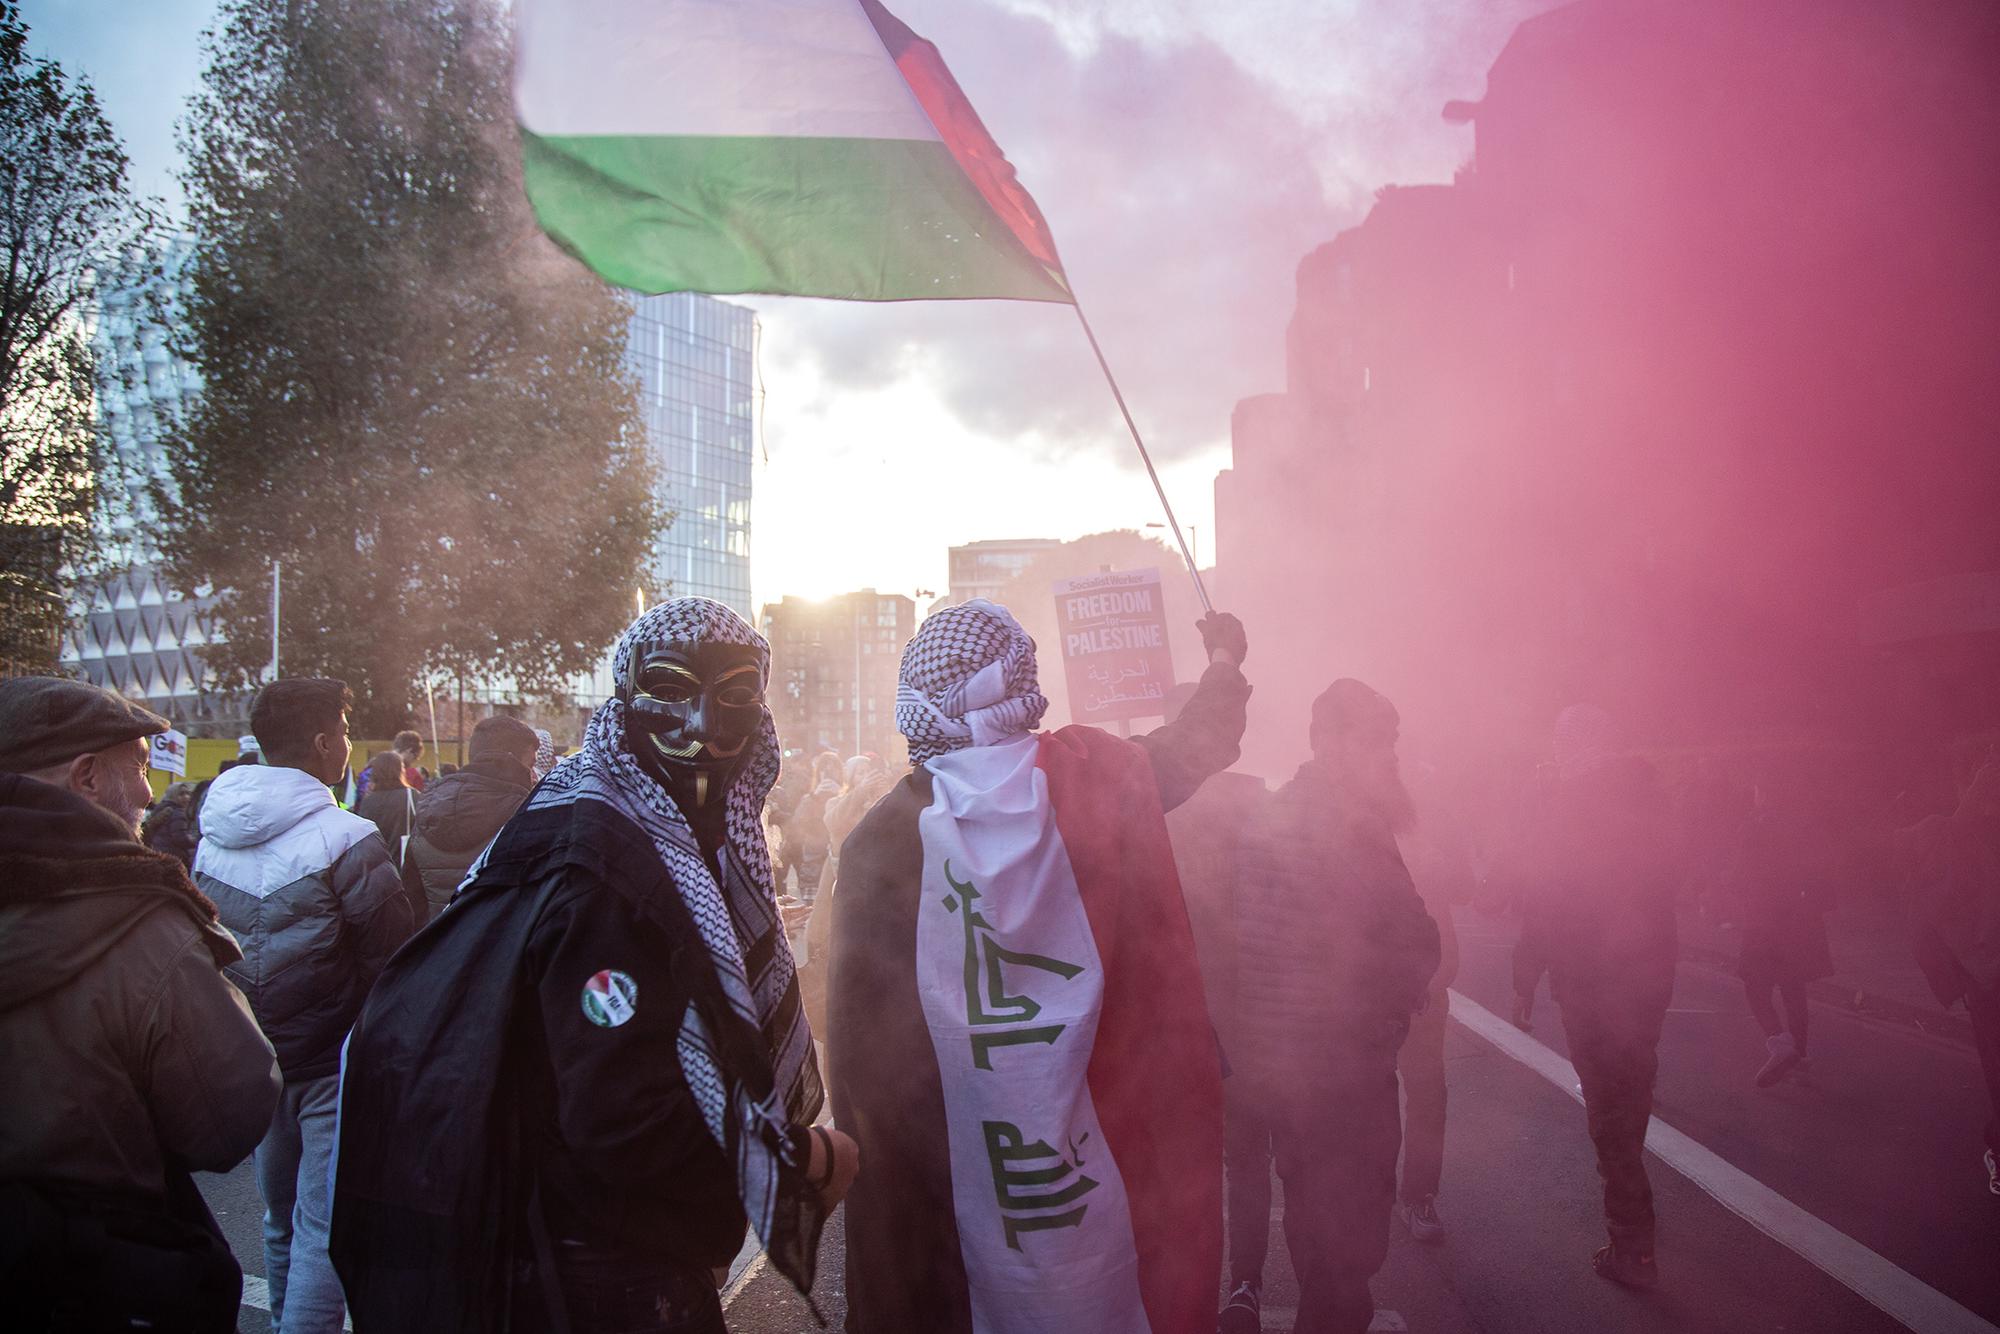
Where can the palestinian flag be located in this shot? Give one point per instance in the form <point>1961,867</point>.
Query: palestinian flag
<point>1020,1044</point>
<point>800,147</point>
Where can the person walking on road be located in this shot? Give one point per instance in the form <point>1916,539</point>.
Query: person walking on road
<point>1443,877</point>
<point>312,894</point>
<point>462,811</point>
<point>131,1060</point>
<point>1784,944</point>
<point>1336,953</point>
<point>1208,832</point>
<point>1018,1030</point>
<point>1958,946</point>
<point>1599,874</point>
<point>570,1093</point>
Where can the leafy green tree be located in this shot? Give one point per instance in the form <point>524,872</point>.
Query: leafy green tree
<point>413,400</point>
<point>65,217</point>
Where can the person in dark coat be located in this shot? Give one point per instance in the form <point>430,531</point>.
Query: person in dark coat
<point>1599,873</point>
<point>130,1059</point>
<point>169,827</point>
<point>461,812</point>
<point>1784,944</point>
<point>1958,943</point>
<point>388,802</point>
<point>1335,951</point>
<point>568,1094</point>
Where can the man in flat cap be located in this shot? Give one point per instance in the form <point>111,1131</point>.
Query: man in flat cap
<point>135,1058</point>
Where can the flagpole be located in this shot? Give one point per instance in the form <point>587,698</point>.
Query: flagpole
<point>1147,458</point>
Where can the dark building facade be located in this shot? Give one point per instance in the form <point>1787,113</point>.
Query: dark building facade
<point>833,671</point>
<point>1661,403</point>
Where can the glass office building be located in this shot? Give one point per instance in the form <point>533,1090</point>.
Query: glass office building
<point>695,358</point>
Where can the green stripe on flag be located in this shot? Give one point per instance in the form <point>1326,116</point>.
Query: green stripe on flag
<point>863,219</point>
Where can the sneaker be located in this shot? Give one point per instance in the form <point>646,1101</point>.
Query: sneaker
<point>1783,1055</point>
<point>1243,1313</point>
<point>1422,1219</point>
<point>1625,1268</point>
<point>1992,1172</point>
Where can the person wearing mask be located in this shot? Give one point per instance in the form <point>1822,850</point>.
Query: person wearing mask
<point>132,1060</point>
<point>169,827</point>
<point>1208,833</point>
<point>623,1077</point>
<point>461,812</point>
<point>1598,871</point>
<point>1018,1029</point>
<point>1336,954</point>
<point>312,894</point>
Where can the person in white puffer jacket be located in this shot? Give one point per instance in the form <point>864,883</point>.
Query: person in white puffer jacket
<point>313,897</point>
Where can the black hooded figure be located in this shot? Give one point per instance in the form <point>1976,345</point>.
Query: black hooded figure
<point>568,1096</point>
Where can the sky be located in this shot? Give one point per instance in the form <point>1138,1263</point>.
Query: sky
<point>1186,154</point>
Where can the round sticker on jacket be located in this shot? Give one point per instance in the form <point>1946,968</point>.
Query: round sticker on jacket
<point>610,998</point>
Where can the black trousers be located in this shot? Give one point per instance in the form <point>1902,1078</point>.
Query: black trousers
<point>617,1292</point>
<point>1984,1006</point>
<point>1614,1041</point>
<point>1246,1152</point>
<point>1336,1152</point>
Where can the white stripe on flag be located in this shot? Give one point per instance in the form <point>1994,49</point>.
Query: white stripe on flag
<point>702,68</point>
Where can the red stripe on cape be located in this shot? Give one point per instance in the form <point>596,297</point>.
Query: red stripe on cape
<point>1156,1072</point>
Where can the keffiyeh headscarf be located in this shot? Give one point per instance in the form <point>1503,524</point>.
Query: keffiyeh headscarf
<point>750,1066</point>
<point>545,751</point>
<point>967,679</point>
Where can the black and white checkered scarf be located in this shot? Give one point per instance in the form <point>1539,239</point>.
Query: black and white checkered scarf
<point>758,1078</point>
<point>967,679</point>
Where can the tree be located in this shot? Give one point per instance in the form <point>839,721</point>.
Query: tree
<point>65,217</point>
<point>413,400</point>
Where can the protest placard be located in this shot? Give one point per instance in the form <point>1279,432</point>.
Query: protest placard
<point>1116,658</point>
<point>170,752</point>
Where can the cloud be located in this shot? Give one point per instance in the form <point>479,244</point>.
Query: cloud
<point>1186,157</point>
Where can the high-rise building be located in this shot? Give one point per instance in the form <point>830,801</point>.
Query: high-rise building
<point>982,569</point>
<point>695,358</point>
<point>833,671</point>
<point>134,632</point>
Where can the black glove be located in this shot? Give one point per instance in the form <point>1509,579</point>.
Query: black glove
<point>1221,632</point>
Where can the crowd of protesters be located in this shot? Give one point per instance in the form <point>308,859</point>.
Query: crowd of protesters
<point>525,1043</point>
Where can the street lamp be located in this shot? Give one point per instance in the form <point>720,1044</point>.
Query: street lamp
<point>1194,541</point>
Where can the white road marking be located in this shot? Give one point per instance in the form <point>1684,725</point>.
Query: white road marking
<point>741,1275</point>
<point>1893,1290</point>
<point>257,1296</point>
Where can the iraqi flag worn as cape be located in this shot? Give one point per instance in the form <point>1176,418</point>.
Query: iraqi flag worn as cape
<point>799,147</point>
<point>1019,1042</point>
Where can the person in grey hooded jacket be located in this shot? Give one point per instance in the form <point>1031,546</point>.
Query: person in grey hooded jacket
<point>312,895</point>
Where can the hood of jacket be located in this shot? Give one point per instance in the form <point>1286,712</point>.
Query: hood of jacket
<point>73,882</point>
<point>255,803</point>
<point>461,811</point>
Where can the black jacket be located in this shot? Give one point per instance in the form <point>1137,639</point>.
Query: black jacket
<point>1597,870</point>
<point>457,815</point>
<point>1335,948</point>
<point>477,1078</point>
